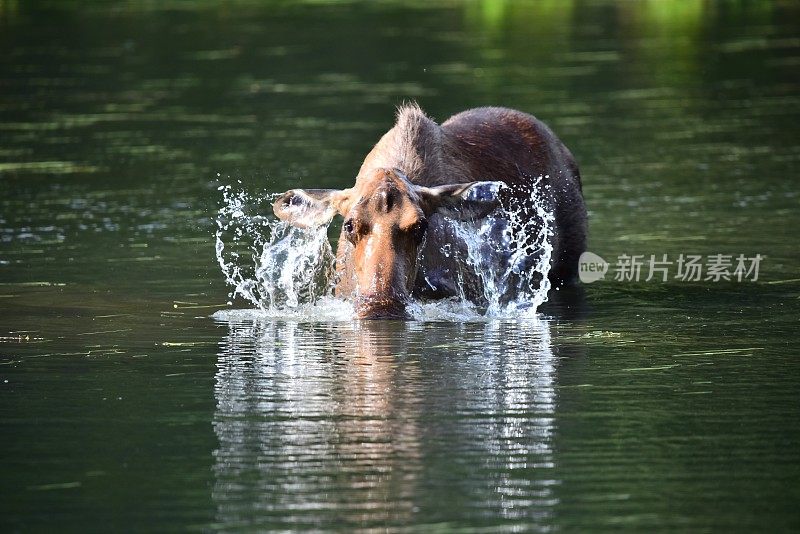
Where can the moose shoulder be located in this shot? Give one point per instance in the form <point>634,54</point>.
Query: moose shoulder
<point>419,174</point>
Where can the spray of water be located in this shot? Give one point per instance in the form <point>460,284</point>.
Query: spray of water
<point>268,263</point>
<point>288,272</point>
<point>510,251</point>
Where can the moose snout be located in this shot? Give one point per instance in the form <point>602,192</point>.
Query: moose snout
<point>382,307</point>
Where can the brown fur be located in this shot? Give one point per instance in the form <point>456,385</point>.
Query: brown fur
<point>396,193</point>
<point>376,261</point>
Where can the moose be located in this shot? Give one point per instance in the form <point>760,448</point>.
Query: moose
<point>396,243</point>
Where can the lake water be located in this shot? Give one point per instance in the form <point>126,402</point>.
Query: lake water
<point>126,404</point>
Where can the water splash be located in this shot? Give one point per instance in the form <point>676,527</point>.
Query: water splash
<point>288,272</point>
<point>267,262</point>
<point>510,251</point>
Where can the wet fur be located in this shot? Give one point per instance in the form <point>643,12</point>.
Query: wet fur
<point>482,144</point>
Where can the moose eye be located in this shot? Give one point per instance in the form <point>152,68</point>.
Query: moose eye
<point>349,229</point>
<point>419,229</point>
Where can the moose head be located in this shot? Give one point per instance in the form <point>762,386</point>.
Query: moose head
<point>385,223</point>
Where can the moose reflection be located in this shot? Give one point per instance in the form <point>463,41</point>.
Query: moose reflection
<point>372,423</point>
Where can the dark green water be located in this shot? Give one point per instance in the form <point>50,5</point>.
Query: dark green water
<point>635,405</point>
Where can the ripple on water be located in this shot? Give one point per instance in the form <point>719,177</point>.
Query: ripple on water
<point>316,420</point>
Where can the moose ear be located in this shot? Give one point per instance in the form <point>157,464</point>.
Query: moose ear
<point>309,208</point>
<point>471,200</point>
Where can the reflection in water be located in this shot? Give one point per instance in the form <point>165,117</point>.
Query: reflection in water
<point>384,423</point>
